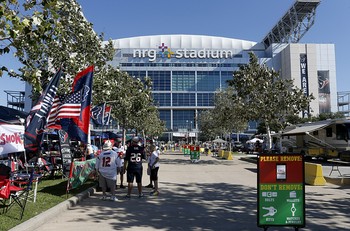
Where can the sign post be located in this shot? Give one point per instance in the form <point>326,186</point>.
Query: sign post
<point>281,190</point>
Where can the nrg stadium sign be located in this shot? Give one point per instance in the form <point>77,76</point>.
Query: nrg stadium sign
<point>166,52</point>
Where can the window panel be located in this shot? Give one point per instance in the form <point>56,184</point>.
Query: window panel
<point>165,115</point>
<point>225,75</point>
<point>160,79</point>
<point>208,80</point>
<point>183,119</point>
<point>162,99</point>
<point>184,99</point>
<point>205,99</point>
<point>183,81</point>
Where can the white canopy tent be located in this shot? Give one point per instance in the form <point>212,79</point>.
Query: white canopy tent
<point>221,141</point>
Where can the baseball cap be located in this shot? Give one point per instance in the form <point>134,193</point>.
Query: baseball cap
<point>107,145</point>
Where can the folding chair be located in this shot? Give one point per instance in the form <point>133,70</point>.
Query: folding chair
<point>15,195</point>
<point>24,180</point>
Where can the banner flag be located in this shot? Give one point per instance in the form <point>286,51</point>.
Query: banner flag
<point>37,118</point>
<point>80,173</point>
<point>11,138</point>
<point>98,114</point>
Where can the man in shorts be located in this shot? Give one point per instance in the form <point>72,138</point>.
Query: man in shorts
<point>133,164</point>
<point>106,166</point>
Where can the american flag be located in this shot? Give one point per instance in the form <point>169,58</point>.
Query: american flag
<point>64,106</point>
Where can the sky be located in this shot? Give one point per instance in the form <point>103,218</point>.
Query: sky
<point>239,19</point>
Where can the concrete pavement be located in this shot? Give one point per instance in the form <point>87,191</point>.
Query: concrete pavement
<point>212,194</point>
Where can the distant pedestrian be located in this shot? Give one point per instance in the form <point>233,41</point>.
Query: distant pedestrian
<point>133,164</point>
<point>106,166</point>
<point>154,166</point>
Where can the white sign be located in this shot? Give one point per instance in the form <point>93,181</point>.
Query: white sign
<point>11,138</point>
<point>152,54</point>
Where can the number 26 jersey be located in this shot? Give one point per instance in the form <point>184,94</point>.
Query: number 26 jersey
<point>134,156</point>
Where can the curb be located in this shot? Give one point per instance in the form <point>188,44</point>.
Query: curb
<point>249,159</point>
<point>340,181</point>
<point>45,216</point>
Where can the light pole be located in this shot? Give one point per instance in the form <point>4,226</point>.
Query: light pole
<point>191,131</point>
<point>187,131</point>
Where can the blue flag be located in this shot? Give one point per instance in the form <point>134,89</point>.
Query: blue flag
<point>78,127</point>
<point>107,115</point>
<point>97,114</point>
<point>37,118</point>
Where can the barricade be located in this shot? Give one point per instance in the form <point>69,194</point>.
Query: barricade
<point>314,174</point>
<point>228,155</point>
<point>221,153</point>
<point>186,150</point>
<point>195,154</point>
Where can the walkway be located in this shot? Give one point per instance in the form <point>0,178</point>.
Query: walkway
<point>209,195</point>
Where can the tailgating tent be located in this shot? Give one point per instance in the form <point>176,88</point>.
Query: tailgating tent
<point>254,140</point>
<point>221,141</point>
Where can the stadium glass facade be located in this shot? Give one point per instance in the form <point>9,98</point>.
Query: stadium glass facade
<point>187,70</point>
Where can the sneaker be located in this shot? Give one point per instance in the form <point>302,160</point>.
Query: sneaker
<point>154,193</point>
<point>127,197</point>
<point>149,186</point>
<point>122,186</point>
<point>113,198</point>
<point>103,198</point>
<point>141,195</point>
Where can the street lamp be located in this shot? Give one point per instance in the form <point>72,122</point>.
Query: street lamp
<point>187,131</point>
<point>191,131</point>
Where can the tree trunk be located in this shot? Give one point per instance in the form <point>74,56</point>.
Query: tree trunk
<point>268,135</point>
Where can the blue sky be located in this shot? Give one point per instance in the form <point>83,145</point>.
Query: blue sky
<point>239,19</point>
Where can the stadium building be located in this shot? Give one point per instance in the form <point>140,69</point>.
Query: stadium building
<point>188,69</point>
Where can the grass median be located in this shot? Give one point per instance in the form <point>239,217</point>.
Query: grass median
<point>50,193</point>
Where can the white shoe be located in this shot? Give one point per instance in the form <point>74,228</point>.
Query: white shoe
<point>113,198</point>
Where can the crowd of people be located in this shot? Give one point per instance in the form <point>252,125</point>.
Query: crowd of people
<point>117,160</point>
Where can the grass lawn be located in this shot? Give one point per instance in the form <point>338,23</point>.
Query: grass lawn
<point>50,193</point>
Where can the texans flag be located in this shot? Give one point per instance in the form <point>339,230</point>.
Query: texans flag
<point>98,113</point>
<point>37,118</point>
<point>107,115</point>
<point>77,127</point>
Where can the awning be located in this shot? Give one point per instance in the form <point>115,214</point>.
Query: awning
<point>304,129</point>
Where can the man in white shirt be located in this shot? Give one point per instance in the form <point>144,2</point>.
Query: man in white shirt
<point>106,166</point>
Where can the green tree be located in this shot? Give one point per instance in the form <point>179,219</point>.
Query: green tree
<point>208,125</point>
<point>263,96</point>
<point>45,35</point>
<point>131,101</point>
